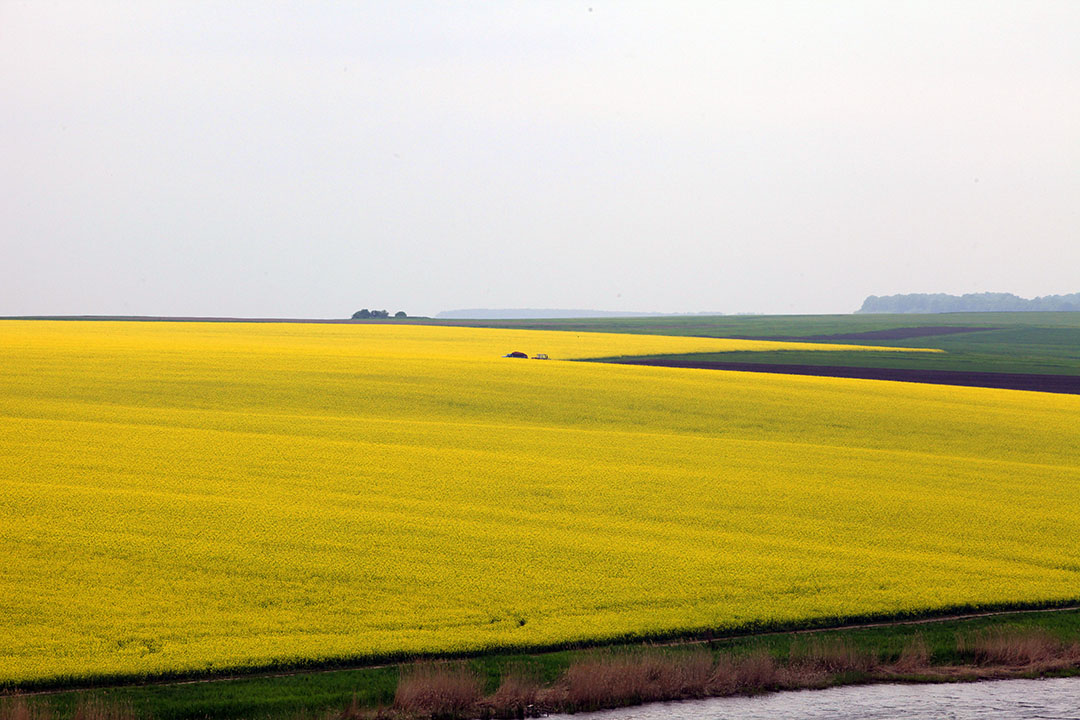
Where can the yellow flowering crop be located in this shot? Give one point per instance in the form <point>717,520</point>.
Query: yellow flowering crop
<point>188,496</point>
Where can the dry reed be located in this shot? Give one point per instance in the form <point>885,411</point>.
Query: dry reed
<point>914,656</point>
<point>518,696</point>
<point>1015,646</point>
<point>834,656</point>
<point>606,680</point>
<point>438,690</point>
<point>17,708</point>
<point>98,709</point>
<point>756,671</point>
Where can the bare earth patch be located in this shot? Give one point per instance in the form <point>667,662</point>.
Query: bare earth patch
<point>1069,384</point>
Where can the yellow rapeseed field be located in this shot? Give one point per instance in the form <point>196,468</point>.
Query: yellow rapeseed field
<point>178,497</point>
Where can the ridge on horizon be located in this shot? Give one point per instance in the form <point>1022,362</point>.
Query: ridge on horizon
<point>549,313</point>
<point>969,302</point>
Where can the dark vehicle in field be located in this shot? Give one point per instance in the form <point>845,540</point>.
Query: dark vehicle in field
<point>516,354</point>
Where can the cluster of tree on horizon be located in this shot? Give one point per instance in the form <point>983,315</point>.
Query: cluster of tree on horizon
<point>972,302</point>
<point>366,314</point>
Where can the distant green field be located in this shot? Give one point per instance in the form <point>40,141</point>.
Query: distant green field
<point>1042,343</point>
<point>766,325</point>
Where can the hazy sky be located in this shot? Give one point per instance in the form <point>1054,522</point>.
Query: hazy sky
<point>308,159</point>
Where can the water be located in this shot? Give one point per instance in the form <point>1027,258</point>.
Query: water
<point>1052,699</point>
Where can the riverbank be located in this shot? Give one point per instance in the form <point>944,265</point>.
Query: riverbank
<point>613,680</point>
<point>1012,699</point>
<point>1022,644</point>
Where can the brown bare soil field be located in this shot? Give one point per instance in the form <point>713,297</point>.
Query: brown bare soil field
<point>1069,384</point>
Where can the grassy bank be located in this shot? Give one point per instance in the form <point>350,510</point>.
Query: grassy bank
<point>1010,645</point>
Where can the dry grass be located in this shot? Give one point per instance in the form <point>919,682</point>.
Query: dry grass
<point>98,709</point>
<point>756,671</point>
<point>17,708</point>
<point>614,680</point>
<point>438,690</point>
<point>1014,647</point>
<point>354,711</point>
<point>606,680</point>
<point>834,655</point>
<point>518,696</point>
<point>915,655</point>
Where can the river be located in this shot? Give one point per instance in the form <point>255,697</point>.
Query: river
<point>1050,699</point>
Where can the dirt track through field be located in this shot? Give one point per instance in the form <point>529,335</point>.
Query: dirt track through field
<point>1069,384</point>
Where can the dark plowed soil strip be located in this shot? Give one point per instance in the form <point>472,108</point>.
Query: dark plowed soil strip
<point>892,334</point>
<point>1009,381</point>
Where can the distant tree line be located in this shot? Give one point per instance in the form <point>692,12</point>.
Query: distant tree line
<point>366,314</point>
<point>972,302</point>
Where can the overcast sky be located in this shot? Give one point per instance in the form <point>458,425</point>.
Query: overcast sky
<point>308,159</point>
